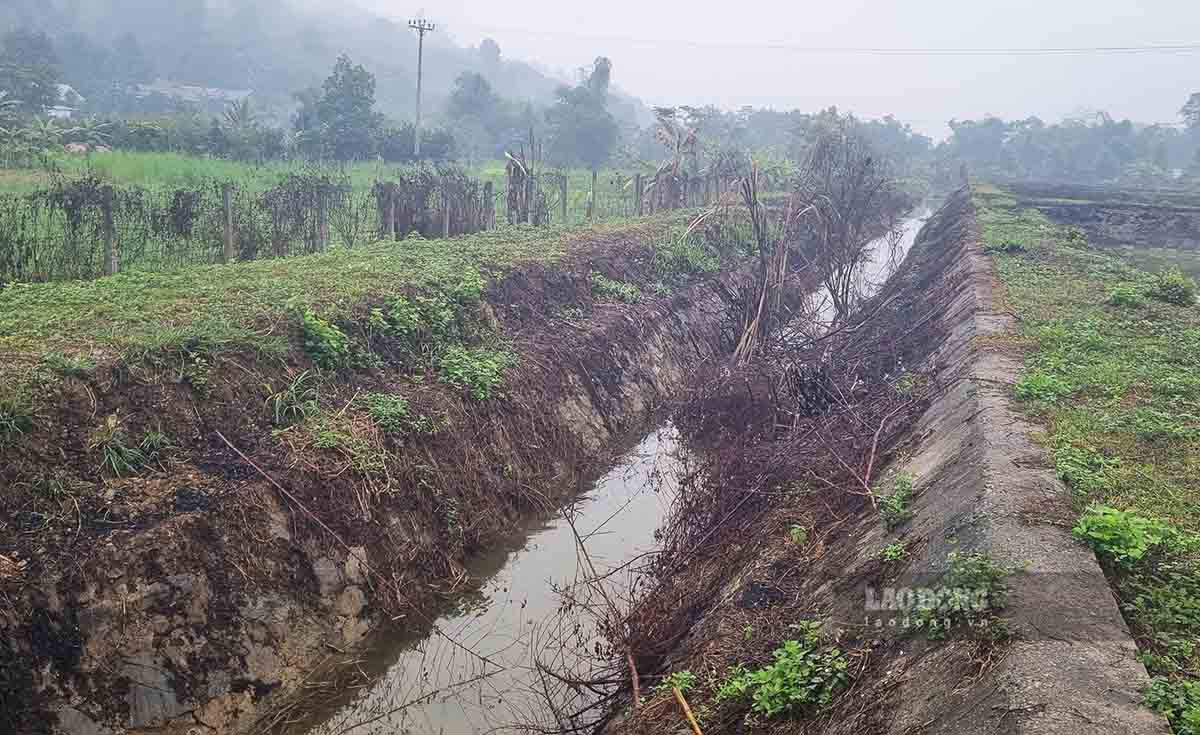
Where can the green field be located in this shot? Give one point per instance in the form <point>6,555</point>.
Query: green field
<point>1113,373</point>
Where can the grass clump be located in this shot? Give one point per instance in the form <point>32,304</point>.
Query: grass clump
<point>324,343</point>
<point>1173,286</point>
<point>606,287</point>
<point>297,400</point>
<point>685,258</point>
<point>16,418</point>
<point>120,455</point>
<point>72,366</point>
<point>804,673</point>
<point>480,371</point>
<point>895,507</point>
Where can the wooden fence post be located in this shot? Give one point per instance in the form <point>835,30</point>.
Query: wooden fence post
<point>227,203</point>
<point>638,194</point>
<point>391,210</point>
<point>489,206</point>
<point>111,264</point>
<point>592,202</point>
<point>322,221</point>
<point>562,195</point>
<point>446,214</point>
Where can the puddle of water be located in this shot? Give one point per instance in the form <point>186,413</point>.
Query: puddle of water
<point>480,676</point>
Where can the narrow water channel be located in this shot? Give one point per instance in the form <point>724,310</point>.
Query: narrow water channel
<point>479,673</point>
<point>480,676</point>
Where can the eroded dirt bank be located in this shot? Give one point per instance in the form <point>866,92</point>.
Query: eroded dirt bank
<point>183,596</point>
<point>1114,217</point>
<point>797,519</point>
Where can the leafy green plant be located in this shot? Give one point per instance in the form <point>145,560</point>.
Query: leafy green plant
<point>389,412</point>
<point>799,535</point>
<point>684,681</point>
<point>1121,536</point>
<point>1128,296</point>
<point>324,343</point>
<point>478,371</point>
<point>1179,701</point>
<point>1082,467</point>
<point>1042,387</point>
<point>1165,604</point>
<point>894,552</point>
<point>296,401</point>
<point>973,588</point>
<point>1076,238</point>
<point>680,259</point>
<point>619,290</point>
<point>1174,287</point>
<point>803,673</point>
<point>894,507</point>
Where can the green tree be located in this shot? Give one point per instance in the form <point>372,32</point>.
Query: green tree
<point>582,130</point>
<point>29,70</point>
<point>347,112</point>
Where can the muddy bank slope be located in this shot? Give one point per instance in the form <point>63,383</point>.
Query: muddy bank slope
<point>784,531</point>
<point>190,528</point>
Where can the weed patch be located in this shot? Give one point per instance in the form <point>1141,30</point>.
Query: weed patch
<point>296,401</point>
<point>324,343</point>
<point>1173,286</point>
<point>804,673</point>
<point>975,590</point>
<point>619,290</point>
<point>480,372</point>
<point>894,507</point>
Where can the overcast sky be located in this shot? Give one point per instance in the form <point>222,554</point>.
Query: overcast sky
<point>672,52</point>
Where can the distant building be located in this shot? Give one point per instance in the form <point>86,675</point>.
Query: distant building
<point>203,96</point>
<point>69,102</point>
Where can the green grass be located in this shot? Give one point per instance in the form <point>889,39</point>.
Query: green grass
<point>255,305</point>
<point>1112,370</point>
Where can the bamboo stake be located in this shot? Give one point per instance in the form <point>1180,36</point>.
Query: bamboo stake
<point>687,711</point>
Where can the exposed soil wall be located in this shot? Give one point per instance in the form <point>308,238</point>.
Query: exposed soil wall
<point>1118,218</point>
<point>982,485</point>
<point>183,600</point>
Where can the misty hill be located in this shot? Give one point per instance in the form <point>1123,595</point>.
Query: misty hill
<point>273,47</point>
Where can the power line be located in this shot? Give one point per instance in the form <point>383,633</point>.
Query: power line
<point>1176,48</point>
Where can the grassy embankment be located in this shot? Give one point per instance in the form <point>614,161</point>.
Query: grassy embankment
<point>1113,372</point>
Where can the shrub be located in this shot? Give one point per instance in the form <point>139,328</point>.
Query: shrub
<point>324,343</point>
<point>1121,536</point>
<point>1076,238</point>
<point>479,371</point>
<point>804,673</point>
<point>390,413</point>
<point>894,508</point>
<point>1042,387</point>
<point>1179,701</point>
<point>1006,246</point>
<point>1174,287</point>
<point>1129,296</point>
<point>619,290</point>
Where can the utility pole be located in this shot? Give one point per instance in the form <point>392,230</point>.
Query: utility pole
<point>421,27</point>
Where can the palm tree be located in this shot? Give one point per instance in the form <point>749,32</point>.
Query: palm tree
<point>42,133</point>
<point>681,142</point>
<point>91,131</point>
<point>240,115</point>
